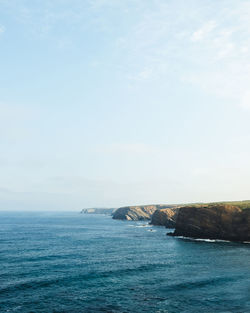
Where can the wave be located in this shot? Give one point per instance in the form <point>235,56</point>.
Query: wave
<point>201,239</point>
<point>35,283</point>
<point>200,283</point>
<point>139,225</point>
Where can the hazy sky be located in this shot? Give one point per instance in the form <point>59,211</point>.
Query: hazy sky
<point>117,102</point>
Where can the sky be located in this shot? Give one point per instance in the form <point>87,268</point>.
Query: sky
<point>107,103</point>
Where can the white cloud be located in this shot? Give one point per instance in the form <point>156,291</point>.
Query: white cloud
<point>125,148</point>
<point>246,100</point>
<point>201,33</point>
<point>202,43</point>
<point>208,47</point>
<point>2,29</point>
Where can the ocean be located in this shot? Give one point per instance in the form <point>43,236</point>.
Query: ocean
<point>72,262</point>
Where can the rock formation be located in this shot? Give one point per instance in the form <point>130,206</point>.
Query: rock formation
<point>135,213</point>
<point>219,221</point>
<point>165,217</point>
<point>97,211</point>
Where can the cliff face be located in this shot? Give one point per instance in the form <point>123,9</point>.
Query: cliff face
<point>165,217</point>
<point>225,222</point>
<point>135,213</point>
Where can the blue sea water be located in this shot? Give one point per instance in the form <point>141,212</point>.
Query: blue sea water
<point>71,262</point>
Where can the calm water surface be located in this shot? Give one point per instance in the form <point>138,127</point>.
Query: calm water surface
<point>70,262</point>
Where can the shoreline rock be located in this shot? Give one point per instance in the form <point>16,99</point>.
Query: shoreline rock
<point>225,222</point>
<point>165,217</point>
<point>135,213</point>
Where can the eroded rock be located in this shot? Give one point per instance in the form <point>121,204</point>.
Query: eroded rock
<point>225,222</point>
<point>135,213</point>
<point>165,217</point>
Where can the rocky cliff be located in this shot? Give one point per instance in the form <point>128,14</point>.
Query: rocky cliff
<point>220,221</point>
<point>135,213</point>
<point>165,217</point>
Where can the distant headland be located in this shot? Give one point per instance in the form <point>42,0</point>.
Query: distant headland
<point>98,211</point>
<point>218,220</point>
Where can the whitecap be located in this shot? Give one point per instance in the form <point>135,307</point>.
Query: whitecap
<point>201,239</point>
<point>142,225</point>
